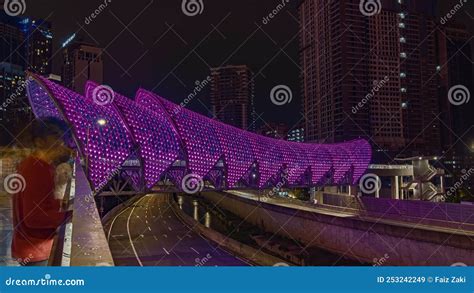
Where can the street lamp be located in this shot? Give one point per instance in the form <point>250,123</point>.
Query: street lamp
<point>101,122</point>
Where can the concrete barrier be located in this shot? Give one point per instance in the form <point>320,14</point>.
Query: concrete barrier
<point>247,252</point>
<point>434,213</point>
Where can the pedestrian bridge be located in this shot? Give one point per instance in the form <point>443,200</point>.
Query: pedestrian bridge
<point>153,141</point>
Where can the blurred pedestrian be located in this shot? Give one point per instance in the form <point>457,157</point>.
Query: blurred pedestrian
<point>37,207</point>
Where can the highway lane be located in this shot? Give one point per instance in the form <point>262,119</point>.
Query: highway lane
<point>148,233</point>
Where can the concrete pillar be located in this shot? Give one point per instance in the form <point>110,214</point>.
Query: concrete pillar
<point>401,196</point>
<point>441,182</point>
<point>312,194</point>
<point>207,220</point>
<point>195,210</point>
<point>395,188</point>
<point>180,202</point>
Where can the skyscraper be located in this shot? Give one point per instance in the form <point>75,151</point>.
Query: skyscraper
<point>232,91</point>
<point>25,44</point>
<point>296,134</point>
<point>370,74</point>
<point>39,45</point>
<point>82,62</point>
<point>455,70</point>
<point>274,130</point>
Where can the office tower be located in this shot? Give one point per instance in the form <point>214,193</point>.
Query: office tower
<point>82,62</point>
<point>39,45</point>
<point>296,134</point>
<point>25,44</point>
<point>274,130</point>
<point>455,70</point>
<point>370,76</point>
<point>232,91</point>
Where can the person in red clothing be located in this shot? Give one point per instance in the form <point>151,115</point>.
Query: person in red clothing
<point>36,211</point>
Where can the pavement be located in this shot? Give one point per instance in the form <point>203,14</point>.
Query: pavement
<point>149,233</point>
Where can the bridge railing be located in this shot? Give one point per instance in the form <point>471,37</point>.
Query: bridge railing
<point>81,241</point>
<point>430,212</point>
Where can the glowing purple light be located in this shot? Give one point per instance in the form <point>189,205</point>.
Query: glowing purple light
<point>161,134</point>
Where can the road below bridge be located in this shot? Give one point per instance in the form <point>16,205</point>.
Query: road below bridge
<point>149,233</point>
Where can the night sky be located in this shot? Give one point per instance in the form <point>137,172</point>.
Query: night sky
<point>166,51</point>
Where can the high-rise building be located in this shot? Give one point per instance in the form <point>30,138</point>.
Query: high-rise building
<point>14,107</point>
<point>370,75</point>
<point>274,130</point>
<point>25,44</point>
<point>232,92</point>
<point>39,45</point>
<point>455,70</point>
<point>82,62</point>
<point>12,41</point>
<point>296,134</point>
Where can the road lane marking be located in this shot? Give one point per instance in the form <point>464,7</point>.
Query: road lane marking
<point>130,236</point>
<point>149,228</point>
<point>115,218</point>
<point>169,228</point>
<point>164,235</point>
<point>166,251</point>
<point>155,237</point>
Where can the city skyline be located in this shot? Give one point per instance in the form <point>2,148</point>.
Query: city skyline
<point>237,133</point>
<point>181,84</point>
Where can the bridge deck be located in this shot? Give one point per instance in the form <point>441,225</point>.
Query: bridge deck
<point>419,223</point>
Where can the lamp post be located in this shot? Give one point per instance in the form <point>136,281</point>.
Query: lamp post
<point>101,122</point>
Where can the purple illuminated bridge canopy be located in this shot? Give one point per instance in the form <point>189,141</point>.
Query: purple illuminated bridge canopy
<point>171,142</point>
